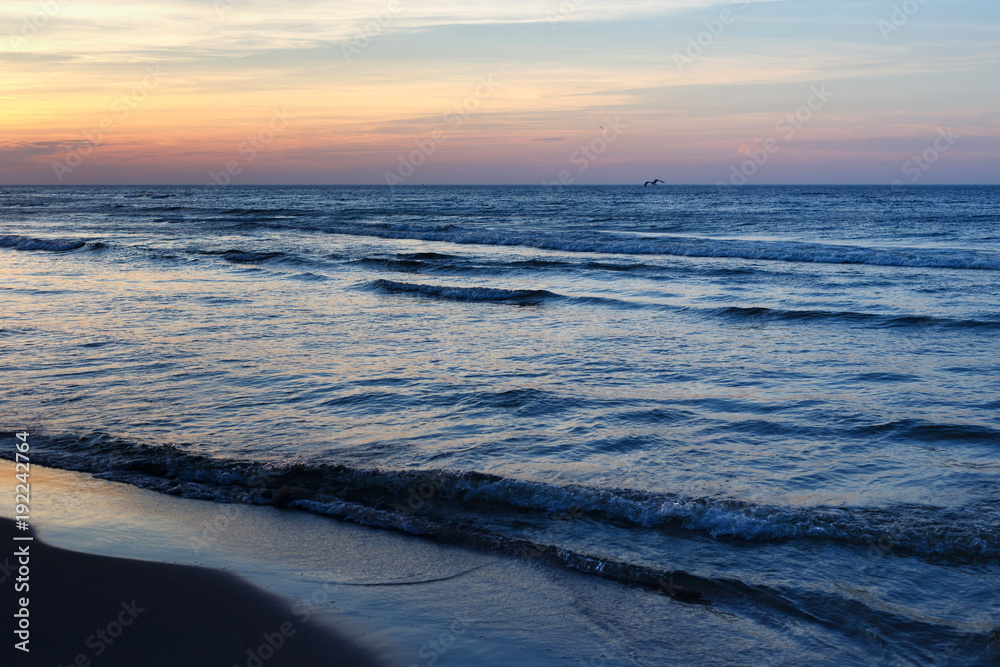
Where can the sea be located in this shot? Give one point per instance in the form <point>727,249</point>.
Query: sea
<point>771,403</point>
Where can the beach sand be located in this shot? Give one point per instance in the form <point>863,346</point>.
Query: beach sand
<point>84,609</point>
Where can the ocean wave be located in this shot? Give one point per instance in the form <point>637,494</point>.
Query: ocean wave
<point>434,263</point>
<point>150,195</point>
<point>785,251</point>
<point>924,431</point>
<point>761,313</point>
<point>265,213</point>
<point>484,512</point>
<point>488,294</point>
<point>244,256</point>
<point>392,264</point>
<point>308,276</point>
<point>412,500</point>
<point>26,243</point>
<point>741,313</point>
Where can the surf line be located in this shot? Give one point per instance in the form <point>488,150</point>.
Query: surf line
<point>404,583</point>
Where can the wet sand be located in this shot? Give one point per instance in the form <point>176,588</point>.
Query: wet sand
<point>95,610</point>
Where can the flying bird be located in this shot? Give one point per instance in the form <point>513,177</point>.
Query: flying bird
<point>653,182</point>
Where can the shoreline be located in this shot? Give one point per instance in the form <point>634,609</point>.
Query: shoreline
<point>410,601</point>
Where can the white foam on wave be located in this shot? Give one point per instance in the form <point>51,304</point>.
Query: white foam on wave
<point>786,251</point>
<point>382,497</point>
<point>459,293</point>
<point>25,243</point>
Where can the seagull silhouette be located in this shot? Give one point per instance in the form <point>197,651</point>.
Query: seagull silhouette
<point>653,182</point>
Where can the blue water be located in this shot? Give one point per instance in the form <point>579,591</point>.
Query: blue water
<point>786,398</point>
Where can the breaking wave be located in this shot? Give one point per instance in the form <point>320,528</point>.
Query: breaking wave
<point>26,243</point>
<point>459,498</point>
<point>489,294</point>
<point>785,251</point>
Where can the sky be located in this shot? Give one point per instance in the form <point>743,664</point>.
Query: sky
<point>408,92</point>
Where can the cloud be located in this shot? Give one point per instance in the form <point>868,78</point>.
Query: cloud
<point>22,151</point>
<point>564,66</point>
<point>239,27</point>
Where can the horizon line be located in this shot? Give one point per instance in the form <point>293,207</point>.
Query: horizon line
<point>718,186</point>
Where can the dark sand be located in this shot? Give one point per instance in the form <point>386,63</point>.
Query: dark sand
<point>95,610</point>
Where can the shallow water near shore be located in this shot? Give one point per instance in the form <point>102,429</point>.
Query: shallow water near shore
<point>782,401</point>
